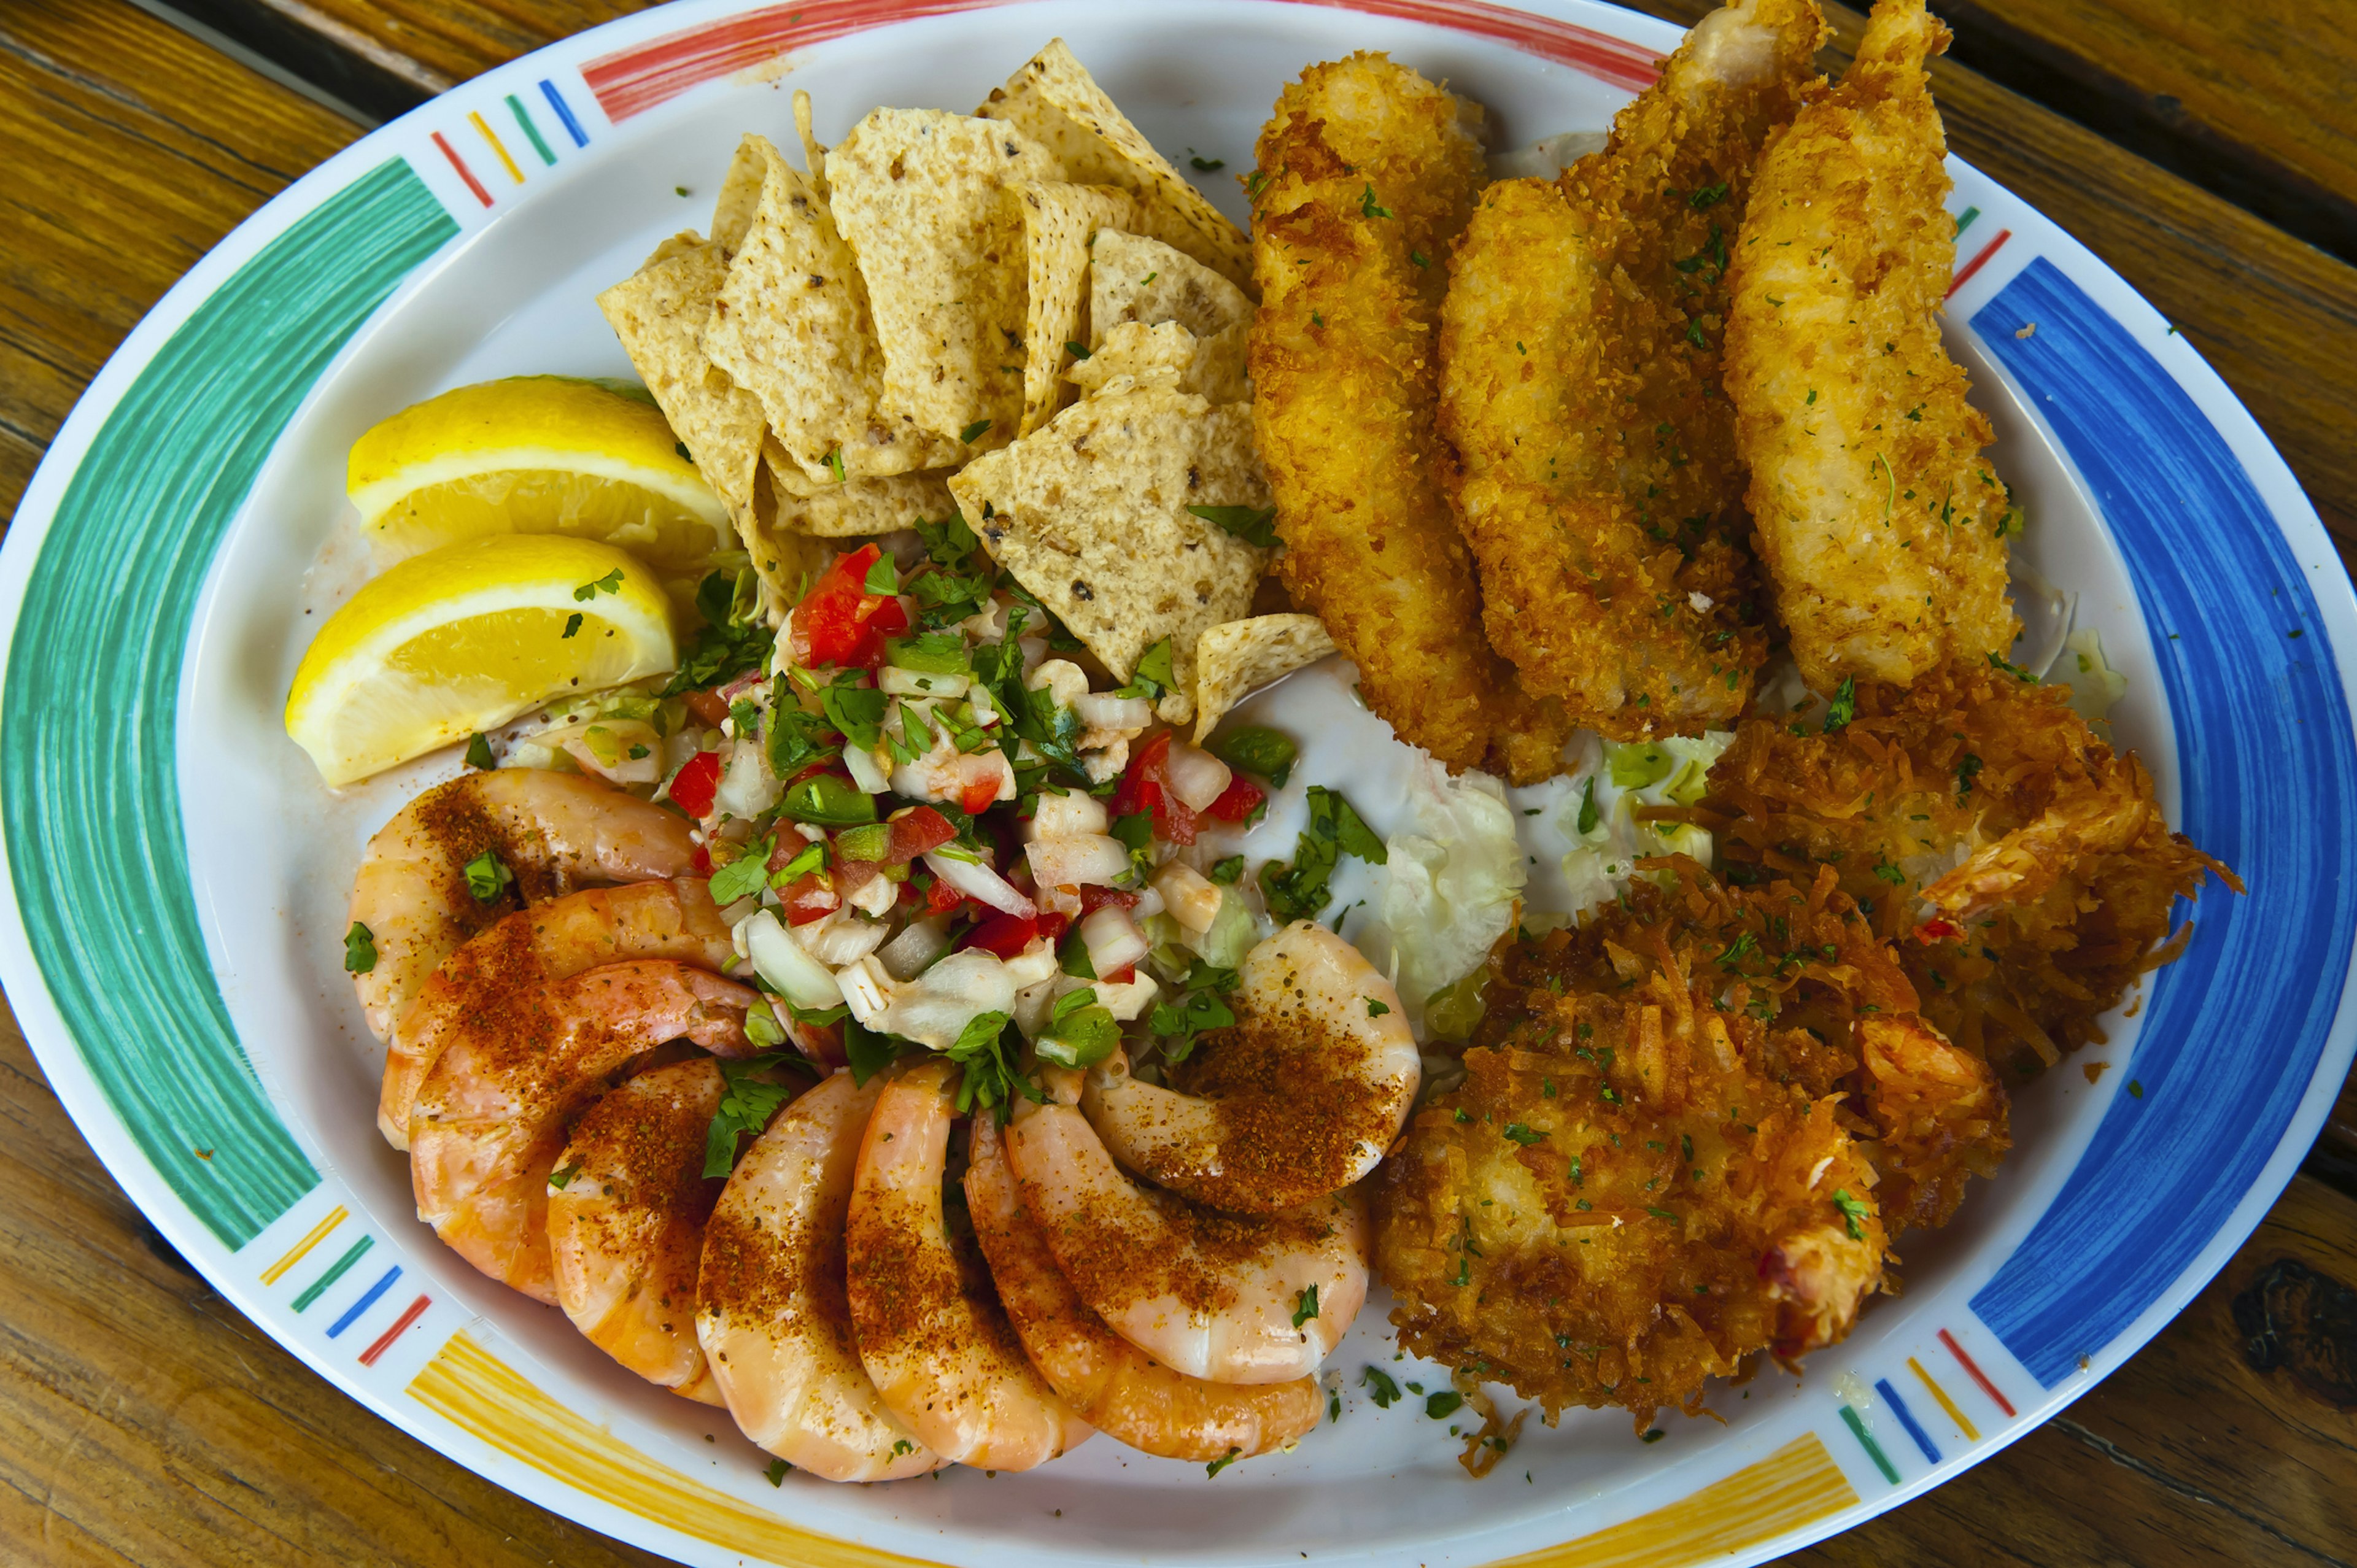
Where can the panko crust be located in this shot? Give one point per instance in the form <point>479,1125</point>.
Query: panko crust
<point>1365,167</point>
<point>1597,482</point>
<point>2023,870</point>
<point>1649,1173</point>
<point>1880,521</point>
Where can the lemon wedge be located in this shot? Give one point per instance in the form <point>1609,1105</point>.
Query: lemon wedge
<point>465,638</point>
<point>535,455</point>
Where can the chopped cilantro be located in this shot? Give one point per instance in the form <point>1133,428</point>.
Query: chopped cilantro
<point>1206,165</point>
<point>734,639</point>
<point>1077,350</point>
<point>1516,1133</point>
<point>1253,749</point>
<point>360,950</point>
<point>744,876</point>
<point>1588,815</point>
<point>572,626</point>
<point>1374,1009</point>
<point>1444,1404</point>
<point>1851,1211</point>
<point>1195,1008</point>
<point>976,431</point>
<point>1708,196</point>
<point>777,1472</point>
<point>1255,526</point>
<point>487,876</point>
<point>611,583</point>
<point>1967,771</point>
<point>1224,1460</point>
<point>747,1101</point>
<point>991,1078</point>
<point>1378,1384</point>
<point>1304,1307</point>
<point>479,754</point>
<point>1229,872</point>
<point>562,1177</point>
<point>1369,208</point>
<point>1844,707</point>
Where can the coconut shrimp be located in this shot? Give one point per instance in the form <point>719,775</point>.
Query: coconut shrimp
<point>775,1317</point>
<point>1300,1099</point>
<point>931,1333</point>
<point>553,831</point>
<point>1233,1298</point>
<point>1941,1114</point>
<point>493,1113</point>
<point>627,1203</point>
<point>549,941</point>
<point>1111,1382</point>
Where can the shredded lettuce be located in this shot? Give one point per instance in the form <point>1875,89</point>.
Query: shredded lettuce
<point>1452,885</point>
<point>1672,771</point>
<point>2094,684</point>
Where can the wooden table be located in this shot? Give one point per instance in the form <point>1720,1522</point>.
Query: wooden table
<point>2207,152</point>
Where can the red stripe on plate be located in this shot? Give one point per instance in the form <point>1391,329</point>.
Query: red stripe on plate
<point>464,172</point>
<point>1965,1361</point>
<point>400,1326</point>
<point>1978,263</point>
<point>633,81</point>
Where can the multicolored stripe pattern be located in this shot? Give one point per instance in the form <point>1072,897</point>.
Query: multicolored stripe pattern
<point>486,137</point>
<point>359,1309</point>
<point>1886,1395</point>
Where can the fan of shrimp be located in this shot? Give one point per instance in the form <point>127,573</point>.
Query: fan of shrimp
<point>2023,870</point>
<point>854,1321</point>
<point>1663,1156</point>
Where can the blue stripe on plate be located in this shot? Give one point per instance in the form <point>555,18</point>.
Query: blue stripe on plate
<point>2232,1030</point>
<point>1907,1419</point>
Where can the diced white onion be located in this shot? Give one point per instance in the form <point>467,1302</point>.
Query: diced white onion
<point>1126,1000</point>
<point>840,939</point>
<point>876,895</point>
<point>786,964</point>
<point>1191,897</point>
<point>867,991</point>
<point>935,1007</point>
<point>1078,860</point>
<point>1035,963</point>
<point>865,771</point>
<point>1196,776</point>
<point>906,955</point>
<point>978,882</point>
<point>1071,812</point>
<point>1103,710</point>
<point>748,787</point>
<point>1114,940</point>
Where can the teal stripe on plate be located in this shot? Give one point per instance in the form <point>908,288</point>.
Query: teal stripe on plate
<point>88,794</point>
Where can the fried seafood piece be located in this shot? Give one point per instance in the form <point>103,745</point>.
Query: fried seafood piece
<point>1636,1188</point>
<point>2022,869</point>
<point>1367,173</point>
<point>1598,480</point>
<point>1881,523</point>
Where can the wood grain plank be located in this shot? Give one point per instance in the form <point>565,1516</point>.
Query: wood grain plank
<point>131,150</point>
<point>143,1419</point>
<point>2186,1456</point>
<point>2250,100</point>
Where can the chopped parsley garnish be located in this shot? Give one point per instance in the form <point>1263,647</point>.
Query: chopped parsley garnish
<point>1224,1460</point>
<point>1229,872</point>
<point>1967,771</point>
<point>1253,749</point>
<point>360,950</point>
<point>744,876</point>
<point>1206,165</point>
<point>572,625</point>
<point>1378,1384</point>
<point>479,755</point>
<point>1444,1404</point>
<point>1889,872</point>
<point>1135,832</point>
<point>868,1052</point>
<point>991,1078</point>
<point>1708,196</point>
<point>1844,707</point>
<point>1077,350</point>
<point>777,1472</point>
<point>1516,1133</point>
<point>976,431</point>
<point>2015,671</point>
<point>856,711</point>
<point>1195,1008</point>
<point>1851,1211</point>
<point>734,639</point>
<point>1304,1307</point>
<point>1374,1009</point>
<point>1256,525</point>
<point>795,738</point>
<point>1744,945</point>
<point>747,1101</point>
<point>1653,1435</point>
<point>1417,258</point>
<point>562,1177</point>
<point>1662,1214</point>
<point>835,464</point>
<point>487,876</point>
<point>1369,208</point>
<point>611,583</point>
<point>1301,890</point>
<point>1588,815</point>
<point>1151,676</point>
<point>884,576</point>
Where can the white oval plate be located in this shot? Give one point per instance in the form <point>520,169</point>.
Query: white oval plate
<point>177,878</point>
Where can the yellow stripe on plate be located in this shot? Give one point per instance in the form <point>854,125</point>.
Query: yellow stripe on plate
<point>294,1254</point>
<point>483,1395</point>
<point>1796,1485</point>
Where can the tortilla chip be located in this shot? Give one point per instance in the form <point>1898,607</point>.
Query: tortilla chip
<point>1237,658</point>
<point>1133,278</point>
<point>1166,355</point>
<point>784,560</point>
<point>740,192</point>
<point>1089,514</point>
<point>791,327</point>
<point>1052,101</point>
<point>657,314</point>
<point>857,508</point>
<point>923,197</point>
<point>814,150</point>
<point>1058,220</point>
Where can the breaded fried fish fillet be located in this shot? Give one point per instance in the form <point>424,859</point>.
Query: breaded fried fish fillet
<point>1366,172</point>
<point>1881,524</point>
<point>1600,485</point>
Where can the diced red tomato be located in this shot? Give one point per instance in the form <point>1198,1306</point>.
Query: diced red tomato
<point>1237,802</point>
<point>1145,787</point>
<point>707,706</point>
<point>978,797</point>
<point>940,899</point>
<point>1093,897</point>
<point>1002,934</point>
<point>916,831</point>
<point>701,861</point>
<point>839,622</point>
<point>1939,931</point>
<point>1121,976</point>
<point>810,896</point>
<point>696,783</point>
<point>1053,925</point>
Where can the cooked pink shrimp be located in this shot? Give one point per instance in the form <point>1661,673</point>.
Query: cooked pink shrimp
<point>627,1203</point>
<point>931,1331</point>
<point>1111,1382</point>
<point>492,1115</point>
<point>1300,1099</point>
<point>525,951</point>
<point>1234,1298</point>
<point>553,831</point>
<point>775,1318</point>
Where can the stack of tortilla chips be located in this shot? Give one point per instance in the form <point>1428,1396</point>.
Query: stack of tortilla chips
<point>905,328</point>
